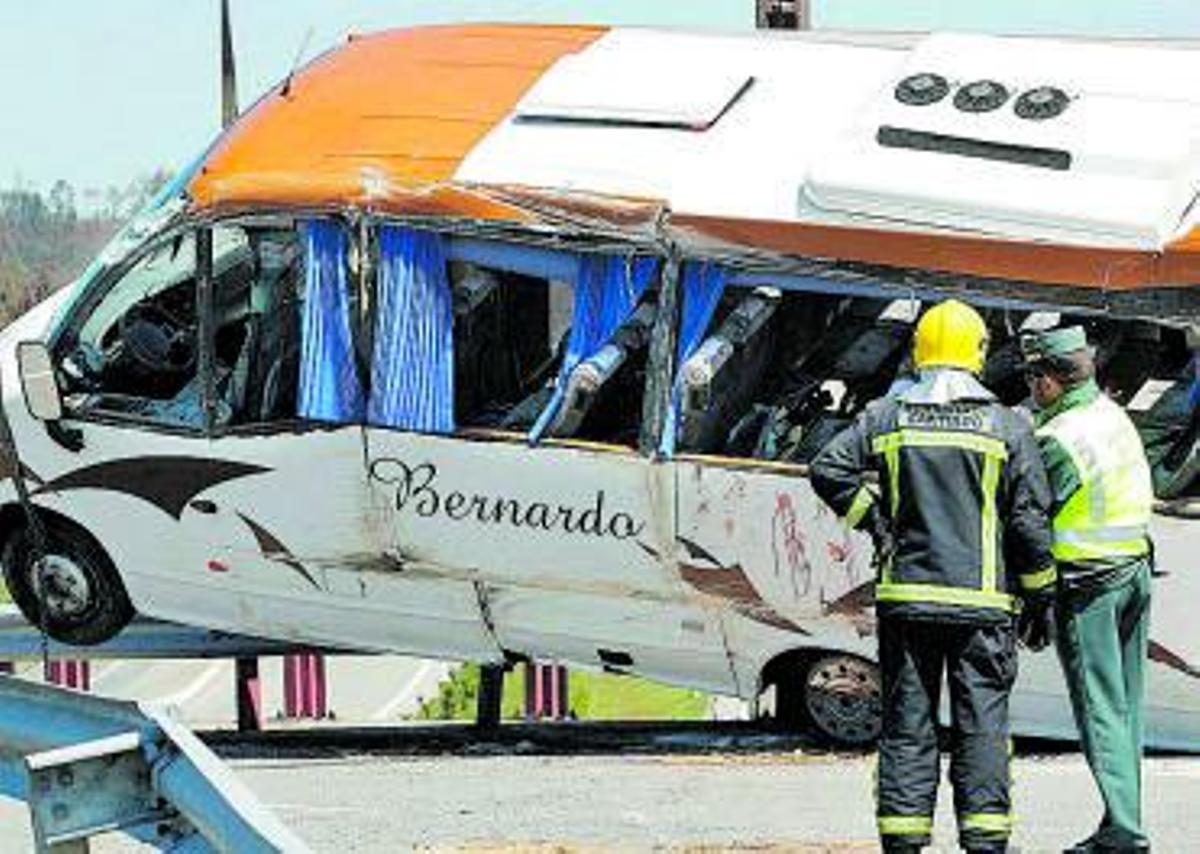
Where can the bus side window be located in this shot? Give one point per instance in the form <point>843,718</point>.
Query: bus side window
<point>779,373</point>
<point>503,351</point>
<point>511,334</point>
<point>258,294</point>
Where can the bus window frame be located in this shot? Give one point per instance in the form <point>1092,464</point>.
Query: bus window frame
<point>479,247</point>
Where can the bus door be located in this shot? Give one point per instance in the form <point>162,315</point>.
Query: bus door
<point>208,517</point>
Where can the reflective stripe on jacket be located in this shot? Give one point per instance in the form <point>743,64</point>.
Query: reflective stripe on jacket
<point>1108,516</point>
<point>963,500</point>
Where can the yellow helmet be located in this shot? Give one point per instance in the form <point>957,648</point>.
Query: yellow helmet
<point>951,335</point>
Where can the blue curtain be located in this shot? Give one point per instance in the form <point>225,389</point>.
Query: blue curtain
<point>703,284</point>
<point>1194,394</point>
<point>607,290</point>
<point>330,389</point>
<point>412,368</point>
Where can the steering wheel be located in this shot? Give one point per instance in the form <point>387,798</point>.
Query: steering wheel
<point>156,340</point>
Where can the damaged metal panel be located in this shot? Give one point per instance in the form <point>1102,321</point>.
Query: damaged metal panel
<point>681,643</point>
<point>389,604</point>
<point>565,541</point>
<point>759,539</point>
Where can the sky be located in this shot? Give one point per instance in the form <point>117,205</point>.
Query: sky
<point>97,93</point>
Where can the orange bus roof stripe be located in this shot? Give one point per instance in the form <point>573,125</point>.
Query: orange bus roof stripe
<point>380,115</point>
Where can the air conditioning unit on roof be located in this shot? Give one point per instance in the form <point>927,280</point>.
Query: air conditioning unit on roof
<point>1066,141</point>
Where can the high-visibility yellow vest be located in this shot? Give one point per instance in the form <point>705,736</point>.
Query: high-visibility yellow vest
<point>1109,515</point>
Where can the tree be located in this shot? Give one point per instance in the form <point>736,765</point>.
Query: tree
<point>62,203</point>
<point>46,242</point>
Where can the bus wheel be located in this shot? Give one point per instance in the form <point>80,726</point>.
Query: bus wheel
<point>75,582</point>
<point>837,695</point>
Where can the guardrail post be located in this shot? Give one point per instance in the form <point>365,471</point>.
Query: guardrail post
<point>304,691</point>
<point>82,674</point>
<point>318,707</point>
<point>248,692</point>
<point>69,673</point>
<point>491,692</point>
<point>562,694</point>
<point>546,693</point>
<point>291,699</point>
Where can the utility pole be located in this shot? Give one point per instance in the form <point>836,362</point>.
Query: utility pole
<point>229,106</point>
<point>783,14</point>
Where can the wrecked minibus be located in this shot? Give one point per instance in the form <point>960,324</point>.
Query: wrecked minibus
<point>513,342</point>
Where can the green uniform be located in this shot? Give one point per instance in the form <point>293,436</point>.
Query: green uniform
<point>1102,502</point>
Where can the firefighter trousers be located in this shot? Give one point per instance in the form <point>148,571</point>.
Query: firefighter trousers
<point>980,666</point>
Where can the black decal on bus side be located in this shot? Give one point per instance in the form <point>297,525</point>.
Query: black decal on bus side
<point>168,483</point>
<point>273,549</point>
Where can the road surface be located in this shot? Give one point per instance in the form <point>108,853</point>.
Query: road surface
<point>788,800</point>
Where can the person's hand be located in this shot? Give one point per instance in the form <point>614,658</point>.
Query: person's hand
<point>1035,625</point>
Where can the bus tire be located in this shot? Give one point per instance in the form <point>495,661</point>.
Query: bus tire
<point>88,602</point>
<point>835,695</point>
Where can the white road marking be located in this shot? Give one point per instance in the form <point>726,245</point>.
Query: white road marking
<point>409,691</point>
<point>105,671</point>
<point>179,698</point>
<point>1179,768</point>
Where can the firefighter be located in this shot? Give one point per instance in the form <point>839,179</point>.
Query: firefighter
<point>950,485</point>
<point>1102,498</point>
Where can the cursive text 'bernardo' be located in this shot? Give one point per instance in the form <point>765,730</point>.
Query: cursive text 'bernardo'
<point>417,489</point>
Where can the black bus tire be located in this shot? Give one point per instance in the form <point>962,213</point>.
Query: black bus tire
<point>833,695</point>
<point>103,607</point>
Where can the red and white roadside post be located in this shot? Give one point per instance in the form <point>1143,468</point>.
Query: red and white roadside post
<point>546,692</point>
<point>69,673</point>
<point>304,689</point>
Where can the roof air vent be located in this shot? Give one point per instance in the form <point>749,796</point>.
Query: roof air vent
<point>982,96</point>
<point>1044,102</point>
<point>919,90</point>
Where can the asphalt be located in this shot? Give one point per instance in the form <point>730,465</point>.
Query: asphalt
<point>496,797</point>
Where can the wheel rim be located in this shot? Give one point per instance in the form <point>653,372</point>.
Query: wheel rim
<point>842,695</point>
<point>62,586</point>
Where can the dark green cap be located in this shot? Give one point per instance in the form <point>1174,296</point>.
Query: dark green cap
<point>1053,343</point>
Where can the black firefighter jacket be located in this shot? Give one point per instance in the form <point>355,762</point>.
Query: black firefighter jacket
<point>951,486</point>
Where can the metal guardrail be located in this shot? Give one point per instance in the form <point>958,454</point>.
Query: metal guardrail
<point>143,638</point>
<point>88,765</point>
<point>304,667</point>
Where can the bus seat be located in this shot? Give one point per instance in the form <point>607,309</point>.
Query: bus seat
<point>588,379</point>
<point>720,378</point>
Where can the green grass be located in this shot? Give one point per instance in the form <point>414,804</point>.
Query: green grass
<point>4,597</point>
<point>593,696</point>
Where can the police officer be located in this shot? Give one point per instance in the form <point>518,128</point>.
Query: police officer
<point>960,521</point>
<point>1102,500</point>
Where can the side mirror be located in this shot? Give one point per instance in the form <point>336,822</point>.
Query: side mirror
<point>38,381</point>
